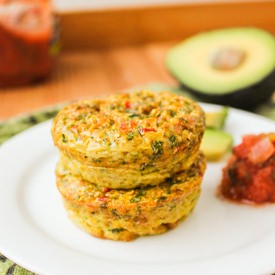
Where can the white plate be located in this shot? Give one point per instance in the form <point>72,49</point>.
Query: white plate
<point>218,238</point>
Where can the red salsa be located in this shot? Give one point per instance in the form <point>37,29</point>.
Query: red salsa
<point>249,176</point>
<point>28,41</point>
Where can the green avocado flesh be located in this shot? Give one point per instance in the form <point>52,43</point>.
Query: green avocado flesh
<point>215,144</point>
<point>223,61</point>
<point>216,120</point>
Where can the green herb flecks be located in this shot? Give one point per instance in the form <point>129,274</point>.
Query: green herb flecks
<point>96,160</point>
<point>183,120</point>
<point>143,166</point>
<point>135,199</point>
<point>130,135</point>
<point>115,214</point>
<point>116,230</point>
<point>157,147</point>
<point>172,113</point>
<point>138,196</point>
<point>64,138</point>
<point>134,115</point>
<point>162,198</point>
<point>173,141</point>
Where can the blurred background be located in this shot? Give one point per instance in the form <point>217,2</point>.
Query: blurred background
<point>95,48</point>
<point>86,4</point>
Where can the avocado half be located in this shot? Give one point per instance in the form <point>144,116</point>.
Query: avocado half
<point>234,66</point>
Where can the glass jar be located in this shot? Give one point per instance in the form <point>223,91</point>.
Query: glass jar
<point>29,41</point>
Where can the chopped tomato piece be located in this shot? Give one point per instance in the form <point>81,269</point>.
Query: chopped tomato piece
<point>249,176</point>
<point>261,151</point>
<point>242,150</point>
<point>128,104</point>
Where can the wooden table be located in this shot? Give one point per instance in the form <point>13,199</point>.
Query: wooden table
<point>90,73</point>
<point>107,51</point>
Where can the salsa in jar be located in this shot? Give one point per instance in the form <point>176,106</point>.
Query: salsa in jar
<point>249,176</point>
<point>29,41</point>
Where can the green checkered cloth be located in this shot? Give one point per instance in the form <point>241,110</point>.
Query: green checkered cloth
<point>18,124</point>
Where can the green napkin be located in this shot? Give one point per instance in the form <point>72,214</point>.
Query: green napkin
<point>9,268</point>
<point>20,123</point>
<point>13,126</point>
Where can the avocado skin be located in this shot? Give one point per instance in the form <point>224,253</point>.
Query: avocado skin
<point>246,98</point>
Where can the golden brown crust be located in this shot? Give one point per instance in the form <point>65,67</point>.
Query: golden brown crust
<point>130,164</point>
<point>119,178</point>
<point>125,214</point>
<point>130,131</point>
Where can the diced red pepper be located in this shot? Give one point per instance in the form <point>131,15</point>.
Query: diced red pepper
<point>128,125</point>
<point>128,104</point>
<point>142,131</point>
<point>102,199</point>
<point>123,126</point>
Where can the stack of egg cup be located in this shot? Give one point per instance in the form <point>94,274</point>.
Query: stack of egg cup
<point>130,163</point>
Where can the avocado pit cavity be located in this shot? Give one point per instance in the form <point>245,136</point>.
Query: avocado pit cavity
<point>227,59</point>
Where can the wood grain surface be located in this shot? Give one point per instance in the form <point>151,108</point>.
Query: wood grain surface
<point>90,73</point>
<point>116,27</point>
